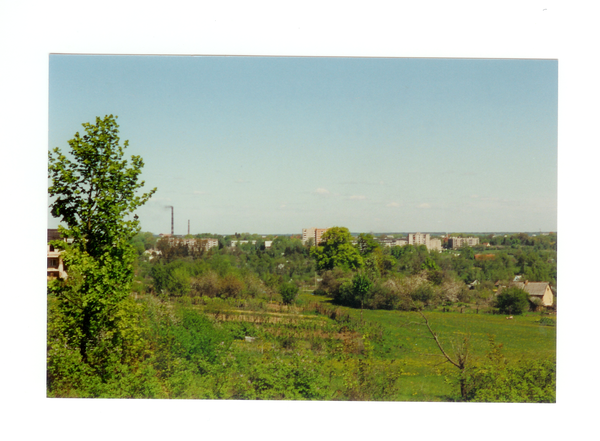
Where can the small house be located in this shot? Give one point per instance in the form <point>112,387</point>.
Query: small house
<point>56,267</point>
<point>537,290</point>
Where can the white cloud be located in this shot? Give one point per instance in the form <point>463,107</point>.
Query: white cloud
<point>424,205</point>
<point>322,191</point>
<point>393,204</point>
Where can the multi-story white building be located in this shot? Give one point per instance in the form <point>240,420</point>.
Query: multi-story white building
<point>417,239</point>
<point>312,233</point>
<point>390,242</point>
<point>414,239</point>
<point>435,244</point>
<point>457,242</point>
<point>195,244</point>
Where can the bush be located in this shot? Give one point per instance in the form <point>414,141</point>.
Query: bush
<point>525,381</point>
<point>424,293</point>
<point>288,292</point>
<point>512,301</point>
<point>207,285</point>
<point>231,287</point>
<point>319,292</point>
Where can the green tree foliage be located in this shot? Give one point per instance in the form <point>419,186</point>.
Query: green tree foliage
<point>497,380</point>
<point>289,292</point>
<point>97,189</point>
<point>336,250</point>
<point>354,292</point>
<point>512,301</point>
<point>96,192</point>
<point>143,241</point>
<point>367,244</point>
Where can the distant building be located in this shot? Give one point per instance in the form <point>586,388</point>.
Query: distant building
<point>537,290</point>
<point>193,244</point>
<point>234,243</point>
<point>435,244</point>
<point>401,242</point>
<point>458,242</point>
<point>414,239</point>
<point>312,233</point>
<point>417,239</point>
<point>55,266</point>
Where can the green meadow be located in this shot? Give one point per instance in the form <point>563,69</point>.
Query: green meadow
<point>426,375</point>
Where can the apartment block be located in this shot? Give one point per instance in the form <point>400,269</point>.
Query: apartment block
<point>417,239</point>
<point>312,233</point>
<point>194,244</point>
<point>457,242</point>
<point>435,244</point>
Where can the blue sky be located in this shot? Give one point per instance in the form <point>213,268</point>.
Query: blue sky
<point>277,144</point>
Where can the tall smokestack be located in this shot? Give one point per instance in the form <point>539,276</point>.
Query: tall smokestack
<point>188,227</point>
<point>172,233</point>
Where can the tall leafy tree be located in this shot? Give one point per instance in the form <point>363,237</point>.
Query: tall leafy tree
<point>336,250</point>
<point>96,193</point>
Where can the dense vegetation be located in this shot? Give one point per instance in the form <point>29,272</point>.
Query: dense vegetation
<point>336,321</point>
<point>243,323</point>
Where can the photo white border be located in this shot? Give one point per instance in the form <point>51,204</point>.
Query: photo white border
<point>31,30</point>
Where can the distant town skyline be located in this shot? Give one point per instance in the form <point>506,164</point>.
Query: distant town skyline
<point>271,145</point>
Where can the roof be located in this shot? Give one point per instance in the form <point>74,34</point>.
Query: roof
<point>53,234</point>
<point>532,288</point>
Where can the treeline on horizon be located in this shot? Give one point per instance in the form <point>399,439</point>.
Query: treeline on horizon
<point>399,275</point>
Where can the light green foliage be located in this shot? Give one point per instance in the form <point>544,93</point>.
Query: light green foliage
<point>367,244</point>
<point>336,250</point>
<point>361,287</point>
<point>522,381</point>
<point>143,241</point>
<point>95,191</point>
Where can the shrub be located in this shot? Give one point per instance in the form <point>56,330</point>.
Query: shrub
<point>196,339</point>
<point>546,321</point>
<point>288,292</point>
<point>207,285</point>
<point>525,381</point>
<point>344,295</point>
<point>231,287</point>
<point>384,298</point>
<point>179,282</point>
<point>512,301</point>
<point>331,281</point>
<point>424,293</point>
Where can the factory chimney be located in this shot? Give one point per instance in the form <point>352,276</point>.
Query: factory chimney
<point>172,233</point>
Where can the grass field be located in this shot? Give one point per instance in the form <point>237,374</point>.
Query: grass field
<point>390,355</point>
<point>407,340</point>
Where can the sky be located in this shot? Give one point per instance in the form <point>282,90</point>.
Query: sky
<point>271,145</point>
